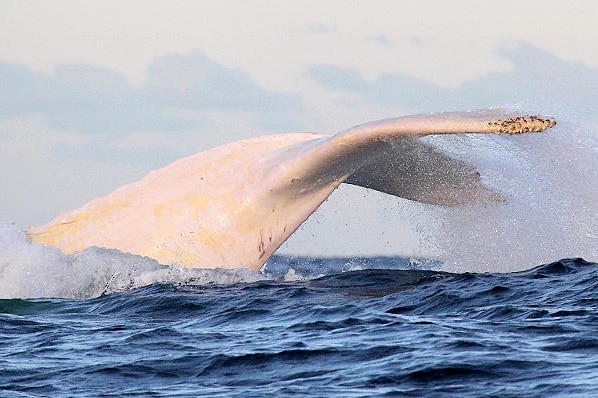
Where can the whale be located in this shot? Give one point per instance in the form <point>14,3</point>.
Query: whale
<point>232,206</point>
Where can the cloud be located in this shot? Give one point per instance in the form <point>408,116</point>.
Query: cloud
<point>195,82</point>
<point>82,98</point>
<point>179,94</point>
<point>36,183</point>
<point>320,28</point>
<point>537,79</point>
<point>379,39</point>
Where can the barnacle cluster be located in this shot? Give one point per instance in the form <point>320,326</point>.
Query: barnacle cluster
<point>522,124</point>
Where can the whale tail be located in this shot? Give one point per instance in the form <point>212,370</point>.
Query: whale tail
<point>234,205</point>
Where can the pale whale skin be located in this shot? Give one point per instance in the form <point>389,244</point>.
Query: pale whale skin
<point>232,206</point>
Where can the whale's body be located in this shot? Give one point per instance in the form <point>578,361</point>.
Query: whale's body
<point>234,205</point>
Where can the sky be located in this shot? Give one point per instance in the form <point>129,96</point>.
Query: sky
<point>96,94</point>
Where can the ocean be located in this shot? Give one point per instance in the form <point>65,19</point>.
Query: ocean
<point>313,327</point>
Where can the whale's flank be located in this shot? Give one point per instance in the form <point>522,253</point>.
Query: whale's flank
<point>234,205</point>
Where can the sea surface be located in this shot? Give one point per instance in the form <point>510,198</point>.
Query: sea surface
<point>380,326</point>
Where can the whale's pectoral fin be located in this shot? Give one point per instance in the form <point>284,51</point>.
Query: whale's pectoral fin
<point>411,169</point>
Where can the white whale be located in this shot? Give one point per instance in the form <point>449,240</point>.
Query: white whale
<point>234,205</point>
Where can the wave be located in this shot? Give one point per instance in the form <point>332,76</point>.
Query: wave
<point>34,271</point>
<point>562,289</point>
<point>31,270</point>
<point>404,332</point>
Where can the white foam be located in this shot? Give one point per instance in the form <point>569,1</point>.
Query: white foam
<point>550,182</point>
<point>31,270</point>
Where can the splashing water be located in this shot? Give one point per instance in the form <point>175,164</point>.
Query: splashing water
<point>551,211</point>
<point>32,270</point>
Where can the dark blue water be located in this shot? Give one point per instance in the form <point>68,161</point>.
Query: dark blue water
<point>374,332</point>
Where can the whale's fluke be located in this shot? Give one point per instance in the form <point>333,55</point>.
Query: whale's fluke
<point>234,205</point>
<point>411,169</point>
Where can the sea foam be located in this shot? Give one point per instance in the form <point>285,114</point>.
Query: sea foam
<point>32,270</point>
<point>549,184</point>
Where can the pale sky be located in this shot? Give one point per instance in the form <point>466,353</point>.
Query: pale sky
<point>95,94</point>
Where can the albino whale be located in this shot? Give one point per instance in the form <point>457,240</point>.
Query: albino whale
<point>234,205</point>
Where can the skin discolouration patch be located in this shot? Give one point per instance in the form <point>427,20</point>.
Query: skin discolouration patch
<point>522,124</point>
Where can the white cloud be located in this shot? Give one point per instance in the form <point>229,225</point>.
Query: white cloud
<point>537,79</point>
<point>96,100</point>
<point>270,43</point>
<point>380,39</point>
<point>36,184</point>
<point>320,28</point>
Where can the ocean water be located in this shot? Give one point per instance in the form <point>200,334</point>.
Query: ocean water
<point>380,326</point>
